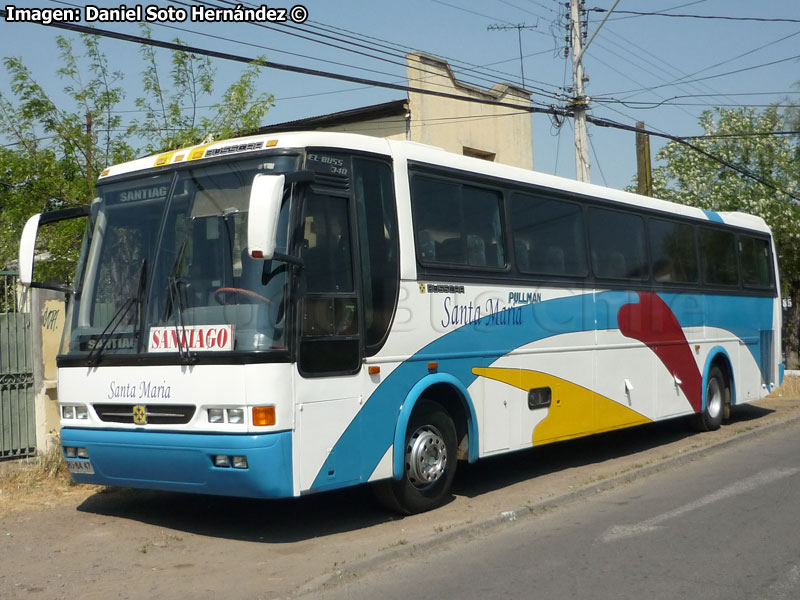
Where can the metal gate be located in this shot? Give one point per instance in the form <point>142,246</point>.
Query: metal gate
<point>17,416</point>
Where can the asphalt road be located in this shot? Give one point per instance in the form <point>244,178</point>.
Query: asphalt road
<point>726,526</point>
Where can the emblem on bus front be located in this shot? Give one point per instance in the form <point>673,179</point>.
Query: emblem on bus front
<point>139,414</point>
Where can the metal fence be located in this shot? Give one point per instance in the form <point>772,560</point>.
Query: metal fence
<point>17,416</point>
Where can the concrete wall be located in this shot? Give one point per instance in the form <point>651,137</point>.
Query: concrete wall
<point>467,127</point>
<point>47,309</point>
<point>393,128</point>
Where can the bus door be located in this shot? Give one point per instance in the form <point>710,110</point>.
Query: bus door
<point>328,388</point>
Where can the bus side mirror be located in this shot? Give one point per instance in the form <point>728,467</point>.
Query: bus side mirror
<point>266,195</point>
<point>27,249</point>
<point>27,244</point>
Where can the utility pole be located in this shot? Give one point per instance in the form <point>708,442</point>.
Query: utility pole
<point>89,174</point>
<point>519,27</point>
<point>644,178</point>
<point>579,100</point>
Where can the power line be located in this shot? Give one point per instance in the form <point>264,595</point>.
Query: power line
<point>288,31</point>
<point>681,16</point>
<point>742,70</point>
<point>739,135</point>
<point>284,67</point>
<point>741,170</point>
<point>314,72</point>
<point>663,66</point>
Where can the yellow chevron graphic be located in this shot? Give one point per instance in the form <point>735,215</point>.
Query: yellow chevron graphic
<point>575,410</point>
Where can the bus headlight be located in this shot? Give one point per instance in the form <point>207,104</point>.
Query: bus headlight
<point>235,416</point>
<point>74,411</point>
<point>216,415</point>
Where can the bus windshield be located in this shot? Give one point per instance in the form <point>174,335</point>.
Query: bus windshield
<point>166,267</point>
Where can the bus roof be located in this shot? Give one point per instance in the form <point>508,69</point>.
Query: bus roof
<point>422,153</point>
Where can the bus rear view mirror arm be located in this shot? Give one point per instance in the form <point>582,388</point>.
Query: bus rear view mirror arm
<point>266,197</point>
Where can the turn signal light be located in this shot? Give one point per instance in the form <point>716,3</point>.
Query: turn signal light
<point>263,416</point>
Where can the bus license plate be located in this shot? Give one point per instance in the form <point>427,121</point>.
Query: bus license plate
<point>80,466</point>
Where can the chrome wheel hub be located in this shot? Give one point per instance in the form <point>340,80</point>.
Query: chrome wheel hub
<point>714,398</point>
<point>426,456</point>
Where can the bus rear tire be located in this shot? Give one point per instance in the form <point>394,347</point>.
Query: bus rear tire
<point>710,418</point>
<point>429,463</point>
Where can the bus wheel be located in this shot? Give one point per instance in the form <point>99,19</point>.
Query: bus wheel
<point>711,416</point>
<point>430,463</point>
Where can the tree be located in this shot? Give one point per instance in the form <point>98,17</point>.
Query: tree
<point>749,140</point>
<point>55,152</point>
<point>172,118</point>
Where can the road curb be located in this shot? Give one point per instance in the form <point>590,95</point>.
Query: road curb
<point>356,568</point>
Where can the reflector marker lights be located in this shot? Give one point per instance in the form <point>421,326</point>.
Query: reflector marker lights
<point>76,452</point>
<point>223,461</point>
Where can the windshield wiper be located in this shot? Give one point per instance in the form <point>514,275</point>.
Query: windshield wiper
<point>176,303</point>
<point>102,341</point>
<point>176,300</point>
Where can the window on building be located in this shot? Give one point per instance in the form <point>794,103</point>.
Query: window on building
<point>482,154</point>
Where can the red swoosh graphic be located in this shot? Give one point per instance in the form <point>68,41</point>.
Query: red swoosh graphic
<point>653,323</point>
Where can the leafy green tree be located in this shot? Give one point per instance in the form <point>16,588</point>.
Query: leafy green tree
<point>749,140</point>
<point>172,118</point>
<point>52,153</point>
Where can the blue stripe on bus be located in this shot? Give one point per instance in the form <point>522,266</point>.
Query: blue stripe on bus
<point>712,215</point>
<point>182,462</point>
<point>482,342</point>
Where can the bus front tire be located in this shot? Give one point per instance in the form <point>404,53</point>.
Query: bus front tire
<point>429,463</point>
<point>710,418</point>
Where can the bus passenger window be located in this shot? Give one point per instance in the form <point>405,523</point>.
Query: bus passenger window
<point>755,260</point>
<point>718,257</point>
<point>457,224</point>
<point>618,245</point>
<point>548,236</point>
<point>674,251</point>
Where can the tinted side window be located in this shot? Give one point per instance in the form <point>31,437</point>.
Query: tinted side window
<point>718,257</point>
<point>617,245</point>
<point>377,232</point>
<point>674,252</point>
<point>328,265</point>
<point>756,265</point>
<point>548,236</point>
<point>329,318</point>
<point>457,224</point>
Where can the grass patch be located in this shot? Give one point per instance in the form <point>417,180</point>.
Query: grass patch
<point>789,389</point>
<point>35,482</point>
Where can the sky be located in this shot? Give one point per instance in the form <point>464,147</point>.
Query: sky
<point>662,70</point>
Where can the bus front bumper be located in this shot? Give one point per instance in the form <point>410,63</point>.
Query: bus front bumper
<point>183,462</point>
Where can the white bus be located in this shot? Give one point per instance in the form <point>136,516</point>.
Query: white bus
<point>274,316</point>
